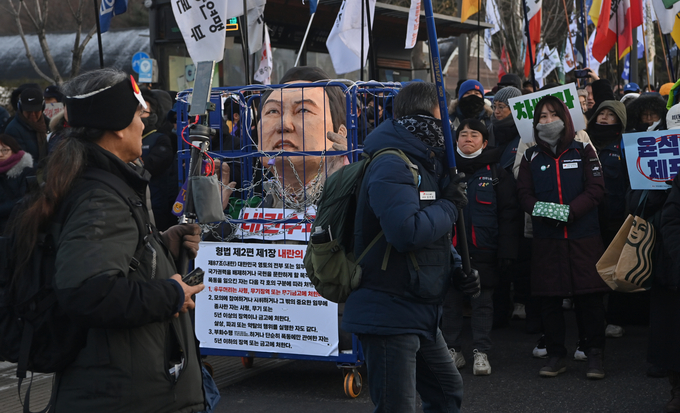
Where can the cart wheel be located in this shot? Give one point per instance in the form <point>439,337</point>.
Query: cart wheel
<point>353,383</point>
<point>247,362</point>
<point>210,369</point>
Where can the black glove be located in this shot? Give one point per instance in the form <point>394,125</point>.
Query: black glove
<point>468,284</point>
<point>455,191</point>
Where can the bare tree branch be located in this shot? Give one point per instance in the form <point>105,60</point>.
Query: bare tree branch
<point>16,14</point>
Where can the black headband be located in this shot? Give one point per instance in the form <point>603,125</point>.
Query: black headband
<point>112,108</point>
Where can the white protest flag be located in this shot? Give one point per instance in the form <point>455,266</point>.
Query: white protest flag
<point>493,17</point>
<point>413,24</point>
<point>344,41</point>
<point>666,16</point>
<point>256,26</point>
<point>593,63</point>
<point>487,49</point>
<point>552,60</point>
<point>264,72</point>
<point>540,62</point>
<point>569,59</point>
<point>202,27</point>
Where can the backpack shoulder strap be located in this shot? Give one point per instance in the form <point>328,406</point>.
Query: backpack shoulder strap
<point>494,175</point>
<point>116,185</point>
<point>414,170</point>
<point>391,151</point>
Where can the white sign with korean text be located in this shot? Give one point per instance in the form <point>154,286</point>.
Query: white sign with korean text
<point>652,158</point>
<point>53,109</point>
<point>522,108</point>
<point>274,229</point>
<point>202,27</point>
<point>257,297</point>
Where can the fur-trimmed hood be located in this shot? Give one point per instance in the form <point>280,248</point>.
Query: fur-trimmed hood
<point>26,161</point>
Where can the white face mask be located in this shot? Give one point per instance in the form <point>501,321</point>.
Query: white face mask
<point>472,155</point>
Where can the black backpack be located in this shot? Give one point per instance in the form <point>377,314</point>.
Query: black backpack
<point>35,332</point>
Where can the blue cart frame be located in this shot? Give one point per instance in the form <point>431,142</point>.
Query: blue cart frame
<point>357,95</point>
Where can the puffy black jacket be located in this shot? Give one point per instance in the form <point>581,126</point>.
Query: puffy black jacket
<point>395,296</point>
<point>492,216</point>
<point>133,338</point>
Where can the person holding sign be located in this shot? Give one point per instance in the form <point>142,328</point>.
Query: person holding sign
<point>560,184</point>
<point>648,112</point>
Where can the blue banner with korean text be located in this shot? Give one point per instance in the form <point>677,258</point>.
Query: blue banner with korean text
<point>652,158</point>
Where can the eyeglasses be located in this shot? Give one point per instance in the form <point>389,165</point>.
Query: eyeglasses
<point>500,106</point>
<point>5,151</point>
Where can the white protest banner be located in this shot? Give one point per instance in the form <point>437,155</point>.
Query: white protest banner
<point>273,230</point>
<point>413,24</point>
<point>257,297</point>
<point>264,72</point>
<point>550,62</point>
<point>202,27</point>
<point>522,108</point>
<point>344,41</point>
<point>652,158</point>
<point>53,109</point>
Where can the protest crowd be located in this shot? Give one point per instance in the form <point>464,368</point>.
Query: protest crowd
<point>543,202</point>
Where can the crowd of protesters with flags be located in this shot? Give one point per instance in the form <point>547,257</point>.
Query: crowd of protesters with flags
<point>554,268</point>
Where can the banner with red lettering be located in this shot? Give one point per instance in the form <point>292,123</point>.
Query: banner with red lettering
<point>270,224</point>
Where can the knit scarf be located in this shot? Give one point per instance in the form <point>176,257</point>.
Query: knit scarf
<point>426,128</point>
<point>550,133</point>
<point>9,163</point>
<point>40,129</point>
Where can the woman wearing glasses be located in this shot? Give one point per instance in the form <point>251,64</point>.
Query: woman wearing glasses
<point>15,166</point>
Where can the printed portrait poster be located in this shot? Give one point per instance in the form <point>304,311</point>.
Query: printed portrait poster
<point>652,158</point>
<point>522,108</point>
<point>257,297</point>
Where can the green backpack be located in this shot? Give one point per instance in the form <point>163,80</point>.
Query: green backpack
<point>331,266</point>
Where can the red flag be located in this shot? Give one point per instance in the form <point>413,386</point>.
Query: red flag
<point>604,40</point>
<point>535,34</point>
<point>618,28</point>
<point>503,67</point>
<point>636,16</point>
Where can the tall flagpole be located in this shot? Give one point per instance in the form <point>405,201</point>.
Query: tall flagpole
<point>99,35</point>
<point>304,39</point>
<point>663,47</point>
<point>566,16</point>
<point>479,14</point>
<point>529,51</point>
<point>644,41</point>
<point>361,55</point>
<point>448,139</point>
